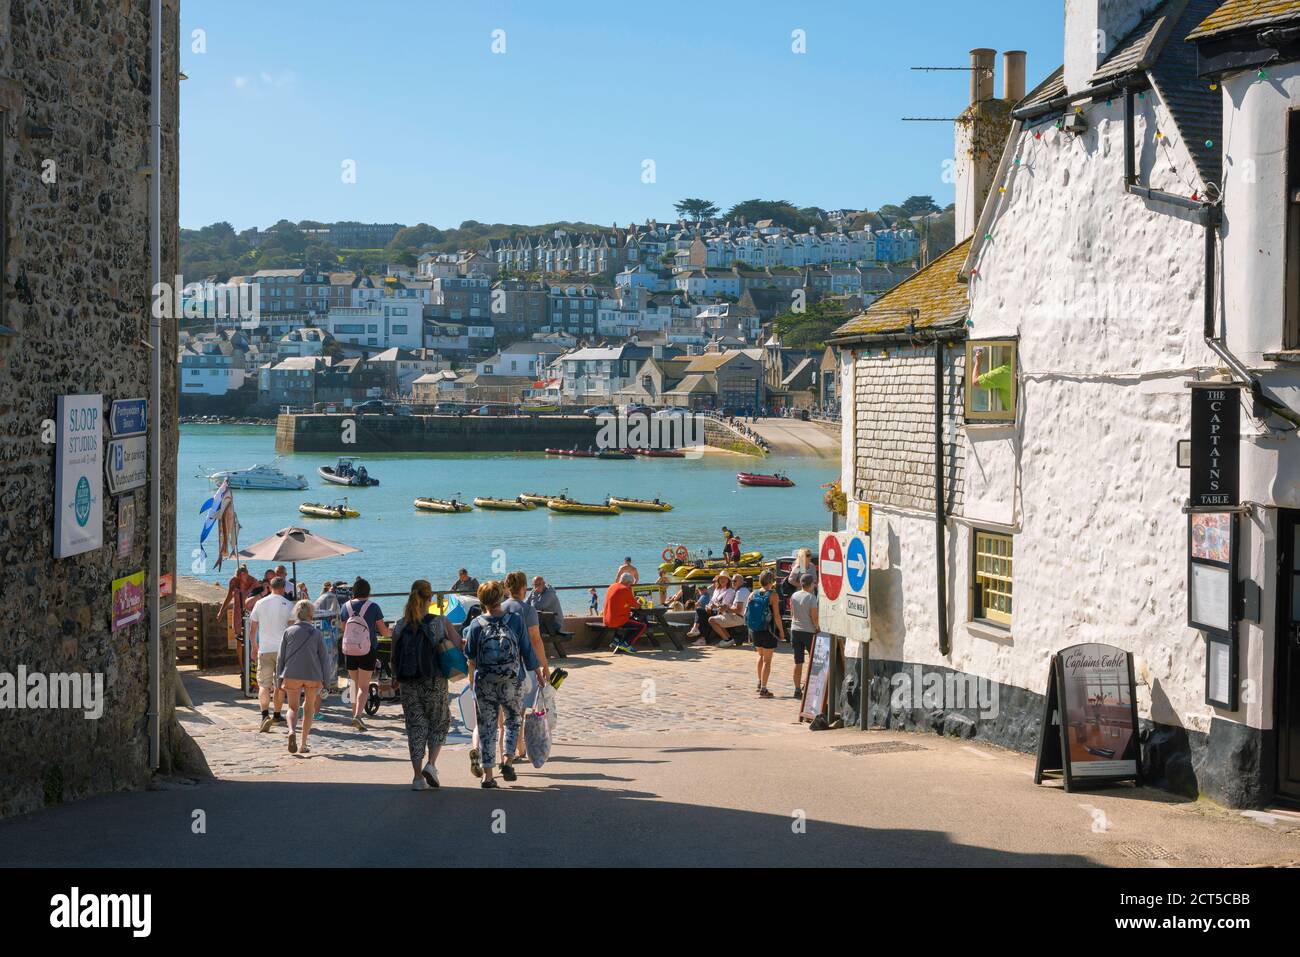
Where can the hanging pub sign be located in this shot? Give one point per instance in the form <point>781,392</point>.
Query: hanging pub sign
<point>1216,445</point>
<point>1089,726</point>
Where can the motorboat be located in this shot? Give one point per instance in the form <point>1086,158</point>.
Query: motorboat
<point>448,505</point>
<point>261,477</point>
<point>660,453</point>
<point>614,454</point>
<point>333,510</point>
<point>680,568</point>
<point>570,507</point>
<point>639,504</point>
<point>347,472</point>
<point>534,498</point>
<point>504,504</point>
<point>778,480</point>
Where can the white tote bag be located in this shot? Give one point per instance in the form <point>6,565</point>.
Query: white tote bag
<point>468,710</point>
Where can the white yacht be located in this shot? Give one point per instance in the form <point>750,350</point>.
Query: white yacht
<point>266,477</point>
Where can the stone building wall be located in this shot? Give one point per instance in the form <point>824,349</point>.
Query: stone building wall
<point>74,104</point>
<point>895,426</point>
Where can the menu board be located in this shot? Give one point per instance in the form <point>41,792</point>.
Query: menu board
<point>1089,727</point>
<point>819,676</point>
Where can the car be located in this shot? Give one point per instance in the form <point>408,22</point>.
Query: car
<point>600,410</point>
<point>639,410</point>
<point>450,408</point>
<point>491,409</point>
<point>372,407</point>
<point>672,412</point>
<point>402,410</point>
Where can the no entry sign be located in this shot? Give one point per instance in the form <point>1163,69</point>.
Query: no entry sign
<point>830,566</point>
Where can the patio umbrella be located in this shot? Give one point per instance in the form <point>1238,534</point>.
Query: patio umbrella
<point>295,545</point>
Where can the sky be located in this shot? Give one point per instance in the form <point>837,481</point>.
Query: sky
<point>592,110</point>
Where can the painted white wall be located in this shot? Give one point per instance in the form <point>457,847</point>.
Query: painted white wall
<point>1092,29</point>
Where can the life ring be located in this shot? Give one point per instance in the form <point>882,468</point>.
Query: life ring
<point>667,554</point>
<point>683,553</point>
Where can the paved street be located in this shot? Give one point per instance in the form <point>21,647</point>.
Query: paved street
<point>661,759</point>
<point>796,437</point>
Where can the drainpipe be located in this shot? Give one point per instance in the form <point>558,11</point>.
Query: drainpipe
<point>940,516</point>
<point>155,385</point>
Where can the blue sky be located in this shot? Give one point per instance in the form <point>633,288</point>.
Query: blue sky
<point>441,129</point>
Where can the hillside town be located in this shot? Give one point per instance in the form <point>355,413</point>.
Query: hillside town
<point>530,322</point>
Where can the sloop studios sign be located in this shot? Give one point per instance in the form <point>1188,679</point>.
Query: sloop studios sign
<point>79,475</point>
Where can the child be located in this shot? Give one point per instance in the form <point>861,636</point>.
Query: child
<point>593,607</point>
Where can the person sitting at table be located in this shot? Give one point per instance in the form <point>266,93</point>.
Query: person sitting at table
<point>683,599</point>
<point>544,599</point>
<point>620,600</point>
<point>733,614</point>
<point>464,584</point>
<point>719,598</point>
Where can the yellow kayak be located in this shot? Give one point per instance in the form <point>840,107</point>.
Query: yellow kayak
<point>317,510</point>
<point>442,505</point>
<point>580,508</point>
<point>640,504</point>
<point>503,504</point>
<point>534,499</point>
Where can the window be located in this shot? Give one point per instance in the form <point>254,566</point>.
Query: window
<point>991,381</point>
<point>992,577</point>
<point>1291,337</point>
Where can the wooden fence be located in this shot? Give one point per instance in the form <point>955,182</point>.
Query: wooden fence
<point>201,637</point>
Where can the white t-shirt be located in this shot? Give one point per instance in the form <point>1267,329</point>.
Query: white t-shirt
<point>722,600</point>
<point>272,615</point>
<point>741,597</point>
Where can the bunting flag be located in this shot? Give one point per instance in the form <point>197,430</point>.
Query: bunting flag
<point>213,507</point>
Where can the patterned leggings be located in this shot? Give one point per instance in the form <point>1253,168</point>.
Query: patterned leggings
<point>425,708</point>
<point>489,694</point>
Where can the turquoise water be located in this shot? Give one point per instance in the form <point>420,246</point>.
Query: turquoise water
<point>399,544</point>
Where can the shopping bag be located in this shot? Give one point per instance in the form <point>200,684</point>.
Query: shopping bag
<point>547,697</point>
<point>468,711</point>
<point>537,734</point>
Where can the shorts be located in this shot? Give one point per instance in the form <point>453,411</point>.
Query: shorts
<point>267,664</point>
<point>763,639</point>
<point>728,620</point>
<point>364,662</point>
<point>802,643</point>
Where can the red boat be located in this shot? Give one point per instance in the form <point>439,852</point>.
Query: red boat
<point>765,481</point>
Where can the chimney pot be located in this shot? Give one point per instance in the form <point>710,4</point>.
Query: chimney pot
<point>1013,76</point>
<point>981,74</point>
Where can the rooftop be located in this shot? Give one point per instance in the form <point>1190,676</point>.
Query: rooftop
<point>1237,15</point>
<point>933,297</point>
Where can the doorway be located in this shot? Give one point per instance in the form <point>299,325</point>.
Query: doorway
<point>1288,659</point>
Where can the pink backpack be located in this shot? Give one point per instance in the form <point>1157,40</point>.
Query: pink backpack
<point>356,631</point>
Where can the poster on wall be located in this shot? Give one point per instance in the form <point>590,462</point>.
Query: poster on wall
<point>1089,726</point>
<point>128,600</point>
<point>78,475</point>
<point>1211,549</point>
<point>125,525</point>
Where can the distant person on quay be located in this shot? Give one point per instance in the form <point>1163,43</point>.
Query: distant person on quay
<point>543,598</point>
<point>593,603</point>
<point>304,667</point>
<point>267,622</point>
<point>420,682</point>
<point>499,653</point>
<point>363,623</point>
<point>620,600</point>
<point>464,584</point>
<point>516,586</point>
<point>627,568</point>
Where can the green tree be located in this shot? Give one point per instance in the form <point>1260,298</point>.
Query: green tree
<point>780,211</point>
<point>919,206</point>
<point>811,328</point>
<point>696,209</point>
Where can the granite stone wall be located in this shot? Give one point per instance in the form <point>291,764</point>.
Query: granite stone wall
<point>74,105</point>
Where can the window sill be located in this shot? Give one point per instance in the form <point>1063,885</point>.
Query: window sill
<point>984,425</point>
<point>983,628</point>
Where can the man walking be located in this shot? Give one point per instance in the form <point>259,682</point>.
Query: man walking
<point>267,622</point>
<point>803,625</point>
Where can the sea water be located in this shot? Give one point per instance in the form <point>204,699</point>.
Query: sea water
<point>399,544</point>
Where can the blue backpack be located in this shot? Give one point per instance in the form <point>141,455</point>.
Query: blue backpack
<point>758,610</point>
<point>498,649</point>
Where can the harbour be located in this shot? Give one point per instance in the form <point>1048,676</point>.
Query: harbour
<point>399,542</point>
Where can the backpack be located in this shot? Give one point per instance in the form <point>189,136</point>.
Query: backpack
<point>498,649</point>
<point>356,631</point>
<point>758,611</point>
<point>417,654</point>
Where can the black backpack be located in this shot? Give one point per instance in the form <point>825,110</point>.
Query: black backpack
<point>417,652</point>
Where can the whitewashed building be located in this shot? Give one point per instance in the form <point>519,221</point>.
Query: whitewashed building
<point>1062,339</point>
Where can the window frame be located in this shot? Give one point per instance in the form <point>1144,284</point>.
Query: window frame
<point>979,609</point>
<point>1291,240</point>
<point>1001,416</point>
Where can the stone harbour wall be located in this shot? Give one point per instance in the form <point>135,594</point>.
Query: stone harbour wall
<point>74,106</point>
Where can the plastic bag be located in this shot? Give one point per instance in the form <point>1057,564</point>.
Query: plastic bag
<point>468,710</point>
<point>548,702</point>
<point>537,737</point>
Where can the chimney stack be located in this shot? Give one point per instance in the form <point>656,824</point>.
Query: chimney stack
<point>1013,76</point>
<point>981,74</point>
<point>1092,30</point>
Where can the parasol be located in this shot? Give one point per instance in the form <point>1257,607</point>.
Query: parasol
<point>295,545</point>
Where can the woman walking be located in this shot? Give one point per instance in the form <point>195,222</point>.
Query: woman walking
<point>420,682</point>
<point>500,654</point>
<point>304,667</point>
<point>361,616</point>
<point>762,617</point>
